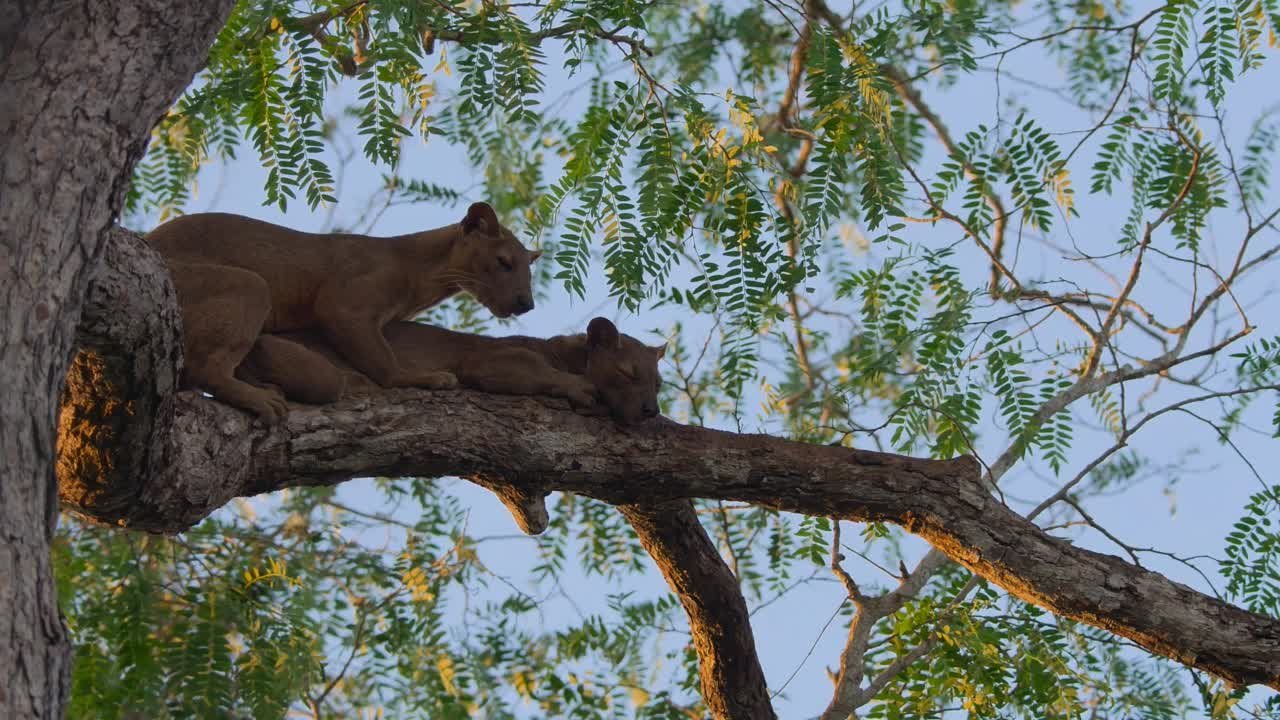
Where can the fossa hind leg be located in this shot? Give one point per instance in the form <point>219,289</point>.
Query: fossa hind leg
<point>300,373</point>
<point>223,311</point>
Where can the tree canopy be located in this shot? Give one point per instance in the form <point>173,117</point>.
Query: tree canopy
<point>1034,233</point>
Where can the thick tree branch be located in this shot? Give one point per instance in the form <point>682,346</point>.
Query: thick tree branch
<point>530,443</point>
<point>733,684</point>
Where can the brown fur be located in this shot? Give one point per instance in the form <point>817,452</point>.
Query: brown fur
<point>600,366</point>
<point>238,278</point>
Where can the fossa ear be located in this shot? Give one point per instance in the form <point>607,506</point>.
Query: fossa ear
<point>603,334</point>
<point>534,256</point>
<point>480,217</point>
<point>659,351</point>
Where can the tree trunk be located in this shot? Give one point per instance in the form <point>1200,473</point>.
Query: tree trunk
<point>81,85</point>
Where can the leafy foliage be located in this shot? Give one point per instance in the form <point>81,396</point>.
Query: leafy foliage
<point>1252,563</point>
<point>220,624</point>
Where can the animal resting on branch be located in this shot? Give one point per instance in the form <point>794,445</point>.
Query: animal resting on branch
<point>160,461</point>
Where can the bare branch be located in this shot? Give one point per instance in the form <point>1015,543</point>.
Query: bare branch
<point>1000,220</point>
<point>1104,333</point>
<point>849,693</point>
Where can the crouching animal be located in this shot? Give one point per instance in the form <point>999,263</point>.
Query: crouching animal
<point>600,367</point>
<point>238,278</point>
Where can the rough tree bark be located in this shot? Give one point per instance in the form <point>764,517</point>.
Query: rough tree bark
<point>105,448</point>
<point>81,85</point>
<point>536,446</point>
<point>733,683</point>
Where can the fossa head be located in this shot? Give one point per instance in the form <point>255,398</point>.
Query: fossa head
<point>624,371</point>
<point>491,264</point>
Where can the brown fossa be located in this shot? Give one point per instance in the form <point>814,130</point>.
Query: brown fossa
<point>600,366</point>
<point>238,278</point>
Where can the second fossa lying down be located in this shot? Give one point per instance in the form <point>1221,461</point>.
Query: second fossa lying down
<point>598,367</point>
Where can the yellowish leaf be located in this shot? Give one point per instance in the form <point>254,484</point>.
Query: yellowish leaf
<point>444,665</point>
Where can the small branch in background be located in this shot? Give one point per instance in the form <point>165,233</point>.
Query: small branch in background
<point>1000,221</point>
<point>785,121</point>
<point>1104,332</point>
<point>355,59</point>
<point>357,641</point>
<point>849,693</point>
<point>850,587</point>
<point>725,530</point>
